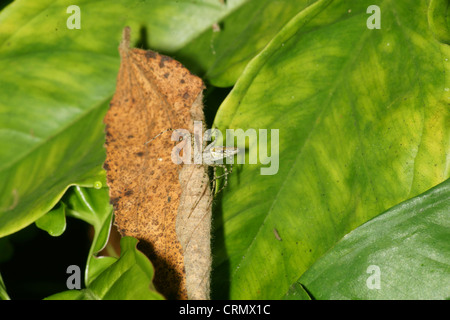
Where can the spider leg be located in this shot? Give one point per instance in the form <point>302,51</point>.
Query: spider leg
<point>222,175</point>
<point>170,129</point>
<point>214,180</point>
<point>225,176</point>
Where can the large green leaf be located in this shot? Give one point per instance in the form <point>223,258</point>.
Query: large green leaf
<point>222,54</point>
<point>402,254</point>
<point>363,120</point>
<point>55,85</point>
<point>128,278</point>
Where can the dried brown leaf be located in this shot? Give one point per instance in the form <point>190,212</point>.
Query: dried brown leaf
<point>148,191</point>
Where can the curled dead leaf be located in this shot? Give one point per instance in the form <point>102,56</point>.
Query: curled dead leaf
<point>164,205</point>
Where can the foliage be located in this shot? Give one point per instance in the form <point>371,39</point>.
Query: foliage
<point>363,120</point>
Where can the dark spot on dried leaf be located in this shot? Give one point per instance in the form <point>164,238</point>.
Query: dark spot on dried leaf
<point>150,55</point>
<point>114,201</point>
<point>163,60</point>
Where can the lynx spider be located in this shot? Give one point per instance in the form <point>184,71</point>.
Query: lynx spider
<point>210,156</point>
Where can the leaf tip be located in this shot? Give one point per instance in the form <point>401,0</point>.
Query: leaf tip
<point>125,43</point>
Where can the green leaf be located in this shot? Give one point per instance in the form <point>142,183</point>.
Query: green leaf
<point>363,121</point>
<point>407,246</point>
<point>55,85</point>
<point>129,277</point>
<point>92,205</point>
<point>54,222</point>
<point>221,55</point>
<point>296,292</point>
<point>438,19</point>
<point>3,293</point>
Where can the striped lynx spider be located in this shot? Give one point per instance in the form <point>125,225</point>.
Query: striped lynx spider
<point>212,155</point>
